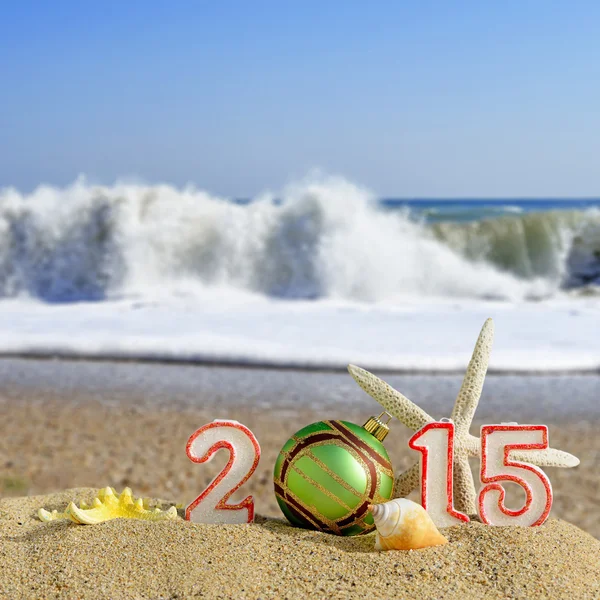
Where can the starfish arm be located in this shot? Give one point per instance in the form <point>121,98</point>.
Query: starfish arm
<point>464,486</point>
<point>472,445</point>
<point>393,402</point>
<point>470,391</point>
<point>407,482</point>
<point>546,458</point>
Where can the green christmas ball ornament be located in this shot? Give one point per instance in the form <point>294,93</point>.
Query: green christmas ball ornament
<point>328,473</point>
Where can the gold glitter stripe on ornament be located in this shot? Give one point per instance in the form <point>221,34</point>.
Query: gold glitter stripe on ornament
<point>322,489</point>
<point>294,509</point>
<point>305,439</point>
<point>332,431</point>
<point>347,486</point>
<point>367,466</point>
<point>301,446</point>
<point>372,479</point>
<point>350,438</point>
<point>326,520</point>
<point>377,499</point>
<point>358,442</point>
<point>297,508</point>
<point>358,522</point>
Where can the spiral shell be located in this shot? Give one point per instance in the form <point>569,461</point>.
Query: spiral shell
<point>404,525</point>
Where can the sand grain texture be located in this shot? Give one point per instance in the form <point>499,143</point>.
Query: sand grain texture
<point>270,559</point>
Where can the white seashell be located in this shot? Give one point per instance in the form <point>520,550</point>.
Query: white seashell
<point>404,525</point>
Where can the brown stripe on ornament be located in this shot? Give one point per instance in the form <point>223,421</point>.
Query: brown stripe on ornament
<point>309,441</point>
<point>300,511</point>
<point>358,442</point>
<point>359,512</point>
<point>301,517</point>
<point>288,498</point>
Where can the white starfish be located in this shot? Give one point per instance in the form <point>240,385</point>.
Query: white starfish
<point>465,444</point>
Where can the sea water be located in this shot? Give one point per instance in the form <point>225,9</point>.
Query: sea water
<point>319,274</point>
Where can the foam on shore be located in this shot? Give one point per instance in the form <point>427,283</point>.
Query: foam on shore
<point>417,335</point>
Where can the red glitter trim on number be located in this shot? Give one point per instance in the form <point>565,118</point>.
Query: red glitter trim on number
<point>487,430</point>
<point>424,450</point>
<point>247,503</point>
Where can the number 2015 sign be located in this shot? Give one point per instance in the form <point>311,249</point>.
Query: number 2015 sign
<point>435,442</point>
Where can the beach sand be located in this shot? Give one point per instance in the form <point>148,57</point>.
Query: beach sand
<point>270,559</point>
<point>63,435</point>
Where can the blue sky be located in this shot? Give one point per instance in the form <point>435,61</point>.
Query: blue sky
<point>412,99</point>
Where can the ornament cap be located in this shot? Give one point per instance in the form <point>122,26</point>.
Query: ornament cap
<point>377,428</point>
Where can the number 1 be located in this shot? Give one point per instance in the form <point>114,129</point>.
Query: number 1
<point>436,445</point>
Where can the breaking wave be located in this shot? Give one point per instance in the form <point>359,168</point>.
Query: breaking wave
<point>320,238</point>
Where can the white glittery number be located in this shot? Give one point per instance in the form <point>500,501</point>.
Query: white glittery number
<point>244,453</point>
<point>435,442</point>
<point>497,441</point>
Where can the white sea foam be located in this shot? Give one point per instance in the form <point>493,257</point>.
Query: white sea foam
<point>326,238</point>
<point>431,335</point>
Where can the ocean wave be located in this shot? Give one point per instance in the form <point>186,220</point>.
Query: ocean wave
<point>449,211</point>
<point>319,238</point>
<point>562,247</point>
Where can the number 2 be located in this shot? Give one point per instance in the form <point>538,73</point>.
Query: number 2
<point>244,453</point>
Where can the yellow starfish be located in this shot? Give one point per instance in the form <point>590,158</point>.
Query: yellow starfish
<point>47,516</point>
<point>465,444</point>
<point>109,506</point>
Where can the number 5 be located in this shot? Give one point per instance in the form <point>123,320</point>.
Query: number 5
<point>244,453</point>
<point>496,443</point>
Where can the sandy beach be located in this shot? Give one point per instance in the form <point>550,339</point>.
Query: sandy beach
<point>270,559</point>
<point>88,425</point>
